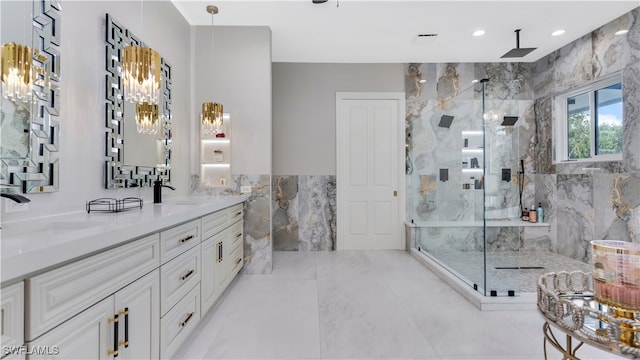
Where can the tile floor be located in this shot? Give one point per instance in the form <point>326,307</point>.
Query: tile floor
<point>360,305</point>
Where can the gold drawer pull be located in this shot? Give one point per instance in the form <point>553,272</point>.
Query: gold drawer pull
<point>238,235</point>
<point>239,213</point>
<point>183,323</point>
<point>184,240</point>
<point>238,261</point>
<point>185,276</point>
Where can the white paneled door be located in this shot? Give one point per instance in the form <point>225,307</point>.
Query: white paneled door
<point>370,170</point>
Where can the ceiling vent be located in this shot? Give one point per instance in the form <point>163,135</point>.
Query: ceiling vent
<point>426,38</point>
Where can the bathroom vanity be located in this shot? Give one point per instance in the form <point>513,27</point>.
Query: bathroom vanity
<point>117,285</point>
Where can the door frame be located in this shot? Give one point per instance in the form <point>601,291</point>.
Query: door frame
<point>340,188</point>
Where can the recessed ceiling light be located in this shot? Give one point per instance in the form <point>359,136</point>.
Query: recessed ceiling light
<point>557,32</point>
<point>475,81</point>
<point>478,33</point>
<point>621,32</point>
<point>422,81</point>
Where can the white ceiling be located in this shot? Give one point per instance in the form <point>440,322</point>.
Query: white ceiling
<point>360,31</point>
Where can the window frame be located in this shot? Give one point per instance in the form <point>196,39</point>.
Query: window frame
<point>562,133</point>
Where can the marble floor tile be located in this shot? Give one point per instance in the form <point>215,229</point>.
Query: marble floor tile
<point>361,318</point>
<point>360,305</point>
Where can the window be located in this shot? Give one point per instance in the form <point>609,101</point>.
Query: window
<point>591,122</point>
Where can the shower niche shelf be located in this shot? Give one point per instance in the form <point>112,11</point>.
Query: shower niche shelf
<point>472,156</point>
<point>480,223</point>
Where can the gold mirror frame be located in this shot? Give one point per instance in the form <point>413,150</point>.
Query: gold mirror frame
<point>117,173</point>
<point>39,172</point>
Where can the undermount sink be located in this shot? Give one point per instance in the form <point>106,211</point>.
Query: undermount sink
<point>45,228</point>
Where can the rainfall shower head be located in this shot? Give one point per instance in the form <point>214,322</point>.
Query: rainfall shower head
<point>517,52</point>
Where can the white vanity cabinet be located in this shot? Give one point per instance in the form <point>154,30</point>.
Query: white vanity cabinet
<point>12,321</point>
<point>137,297</point>
<point>124,325</point>
<point>222,253</point>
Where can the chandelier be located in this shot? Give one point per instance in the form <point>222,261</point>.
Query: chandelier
<point>141,74</point>
<point>16,72</point>
<point>147,118</point>
<point>211,118</point>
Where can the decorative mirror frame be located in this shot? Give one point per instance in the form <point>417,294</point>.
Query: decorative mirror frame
<point>40,171</point>
<point>117,173</point>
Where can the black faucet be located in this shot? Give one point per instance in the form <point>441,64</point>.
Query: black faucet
<point>157,191</point>
<point>20,199</point>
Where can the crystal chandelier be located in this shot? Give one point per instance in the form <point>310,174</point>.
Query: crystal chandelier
<point>141,74</point>
<point>147,118</point>
<point>211,118</point>
<point>16,72</point>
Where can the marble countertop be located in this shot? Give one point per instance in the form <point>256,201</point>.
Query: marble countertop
<point>31,246</point>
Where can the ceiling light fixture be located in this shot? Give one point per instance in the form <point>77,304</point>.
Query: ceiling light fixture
<point>557,32</point>
<point>17,75</point>
<point>211,116</point>
<point>141,71</point>
<point>621,32</point>
<point>478,33</point>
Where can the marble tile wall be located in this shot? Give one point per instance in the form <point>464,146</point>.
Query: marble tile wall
<point>304,212</point>
<point>585,201</point>
<point>448,89</point>
<point>258,246</point>
<point>598,200</point>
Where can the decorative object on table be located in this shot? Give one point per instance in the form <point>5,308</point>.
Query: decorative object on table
<point>616,273</point>
<point>567,302</point>
<point>113,205</point>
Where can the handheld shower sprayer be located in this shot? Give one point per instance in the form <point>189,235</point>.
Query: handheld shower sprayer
<point>521,183</point>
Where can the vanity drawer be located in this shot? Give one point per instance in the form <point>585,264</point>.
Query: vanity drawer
<point>236,234</point>
<point>179,322</point>
<point>177,277</point>
<point>12,316</point>
<point>179,239</point>
<point>236,258</point>
<point>214,223</point>
<point>235,213</point>
<point>59,294</point>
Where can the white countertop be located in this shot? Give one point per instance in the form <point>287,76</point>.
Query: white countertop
<point>30,246</point>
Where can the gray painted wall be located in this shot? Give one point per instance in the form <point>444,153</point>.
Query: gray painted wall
<point>241,81</point>
<point>304,110</point>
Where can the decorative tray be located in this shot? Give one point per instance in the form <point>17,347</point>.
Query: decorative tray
<point>566,301</point>
<point>114,205</point>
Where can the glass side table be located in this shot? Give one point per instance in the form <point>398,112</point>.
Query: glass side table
<point>565,300</point>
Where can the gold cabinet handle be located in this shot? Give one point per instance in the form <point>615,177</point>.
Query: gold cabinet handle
<point>183,323</point>
<point>185,276</point>
<point>125,342</point>
<point>114,351</point>
<point>184,240</point>
<point>239,213</point>
<point>238,235</point>
<point>238,261</point>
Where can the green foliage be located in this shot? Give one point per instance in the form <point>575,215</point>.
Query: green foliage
<point>579,136</point>
<point>609,137</point>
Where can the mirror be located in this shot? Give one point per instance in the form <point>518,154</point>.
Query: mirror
<point>29,126</point>
<point>145,158</point>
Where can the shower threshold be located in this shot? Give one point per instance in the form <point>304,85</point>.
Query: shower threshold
<point>524,300</point>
